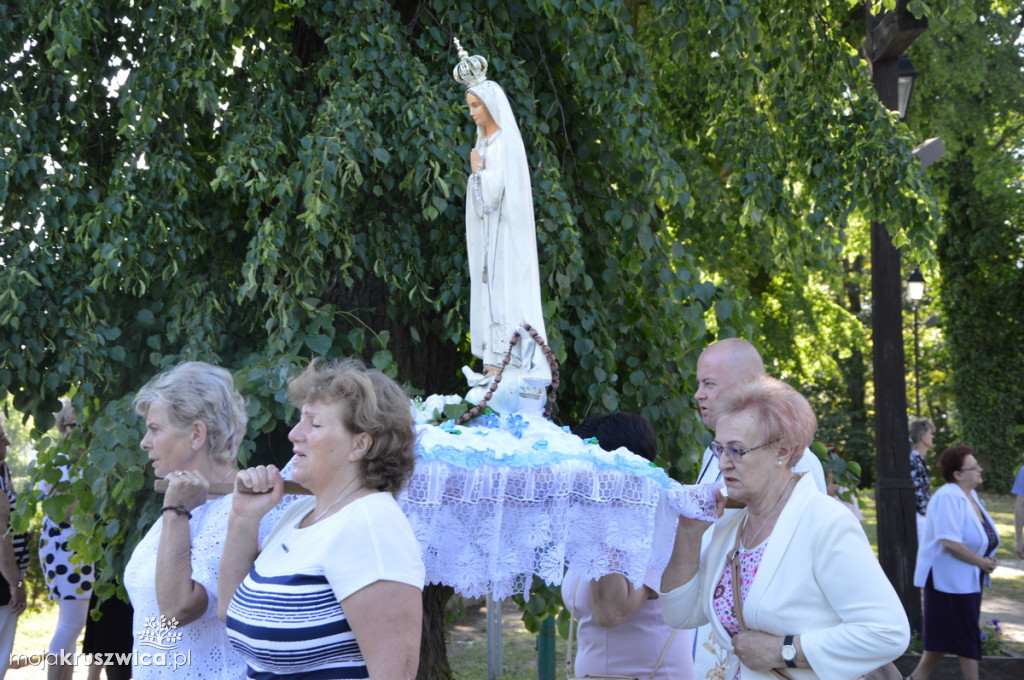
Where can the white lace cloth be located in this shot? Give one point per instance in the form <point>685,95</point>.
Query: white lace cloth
<point>199,650</point>
<point>512,497</point>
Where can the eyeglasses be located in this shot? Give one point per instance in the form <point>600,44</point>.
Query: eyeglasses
<point>718,450</point>
<point>973,467</point>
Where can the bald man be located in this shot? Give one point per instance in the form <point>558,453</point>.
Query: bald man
<point>722,365</point>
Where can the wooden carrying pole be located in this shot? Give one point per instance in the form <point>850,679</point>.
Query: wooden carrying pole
<point>224,488</point>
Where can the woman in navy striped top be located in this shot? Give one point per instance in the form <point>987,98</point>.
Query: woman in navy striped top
<point>334,591</point>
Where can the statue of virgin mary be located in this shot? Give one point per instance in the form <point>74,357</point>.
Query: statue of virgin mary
<point>502,247</point>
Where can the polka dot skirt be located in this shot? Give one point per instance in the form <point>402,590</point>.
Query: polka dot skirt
<point>65,580</point>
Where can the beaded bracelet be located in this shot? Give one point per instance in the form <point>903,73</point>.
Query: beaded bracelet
<point>178,509</point>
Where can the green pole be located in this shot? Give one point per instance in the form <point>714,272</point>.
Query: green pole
<point>546,649</point>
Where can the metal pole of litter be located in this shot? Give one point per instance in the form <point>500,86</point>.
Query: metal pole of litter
<point>493,638</point>
<point>546,649</point>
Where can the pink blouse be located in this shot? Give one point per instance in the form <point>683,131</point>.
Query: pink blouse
<point>750,560</point>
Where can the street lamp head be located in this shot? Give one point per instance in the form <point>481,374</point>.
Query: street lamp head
<point>915,286</point>
<point>905,85</point>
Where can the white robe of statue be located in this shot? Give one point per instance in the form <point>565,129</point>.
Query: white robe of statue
<point>502,251</point>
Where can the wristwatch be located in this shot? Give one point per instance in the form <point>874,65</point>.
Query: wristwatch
<point>789,651</point>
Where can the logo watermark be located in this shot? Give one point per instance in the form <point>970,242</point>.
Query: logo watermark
<point>160,635</point>
<point>135,658</point>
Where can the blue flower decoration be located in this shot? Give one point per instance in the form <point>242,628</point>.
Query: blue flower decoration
<point>540,445</point>
<point>449,427</point>
<point>490,420</point>
<point>566,428</point>
<point>516,425</point>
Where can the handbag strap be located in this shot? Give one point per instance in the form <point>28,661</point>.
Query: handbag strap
<point>737,593</point>
<point>664,652</point>
<point>570,655</point>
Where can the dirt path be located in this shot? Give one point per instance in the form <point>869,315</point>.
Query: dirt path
<point>1009,612</point>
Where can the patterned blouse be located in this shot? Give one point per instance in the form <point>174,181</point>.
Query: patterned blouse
<point>922,482</point>
<point>725,594</point>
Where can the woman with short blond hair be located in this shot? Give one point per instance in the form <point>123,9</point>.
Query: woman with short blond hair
<point>335,590</point>
<point>195,423</point>
<point>790,582</point>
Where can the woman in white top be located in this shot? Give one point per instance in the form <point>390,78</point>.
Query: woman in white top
<point>335,591</point>
<point>954,559</point>
<point>195,421</point>
<point>790,582</point>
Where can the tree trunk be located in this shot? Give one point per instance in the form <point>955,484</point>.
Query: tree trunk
<point>431,365</point>
<point>433,643</point>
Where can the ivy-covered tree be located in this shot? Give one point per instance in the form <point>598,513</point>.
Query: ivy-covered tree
<point>972,95</point>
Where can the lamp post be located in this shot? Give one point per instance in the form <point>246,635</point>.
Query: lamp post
<point>915,292</point>
<point>888,37</point>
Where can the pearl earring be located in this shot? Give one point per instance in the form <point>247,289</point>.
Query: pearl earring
<point>778,462</point>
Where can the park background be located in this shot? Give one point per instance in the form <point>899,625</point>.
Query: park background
<point>253,183</point>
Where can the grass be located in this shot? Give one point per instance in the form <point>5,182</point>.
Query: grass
<point>467,646</point>
<point>35,628</point>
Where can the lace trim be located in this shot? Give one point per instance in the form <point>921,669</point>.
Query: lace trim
<point>500,501</point>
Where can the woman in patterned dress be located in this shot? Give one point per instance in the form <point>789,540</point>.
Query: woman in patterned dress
<point>790,582</point>
<point>68,581</point>
<point>922,433</point>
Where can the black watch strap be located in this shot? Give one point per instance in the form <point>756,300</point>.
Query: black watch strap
<point>788,642</point>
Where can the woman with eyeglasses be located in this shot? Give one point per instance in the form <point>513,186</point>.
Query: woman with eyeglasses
<point>789,584</point>
<point>954,559</point>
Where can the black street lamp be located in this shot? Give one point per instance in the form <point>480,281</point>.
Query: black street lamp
<point>915,293</point>
<point>905,85</point>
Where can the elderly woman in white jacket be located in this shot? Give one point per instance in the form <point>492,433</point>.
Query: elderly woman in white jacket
<point>813,601</point>
<point>955,556</point>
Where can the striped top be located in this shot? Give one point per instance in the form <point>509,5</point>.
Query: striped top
<point>287,620</point>
<point>18,541</point>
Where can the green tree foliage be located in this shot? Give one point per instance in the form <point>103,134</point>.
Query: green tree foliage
<point>973,97</point>
<point>254,183</point>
